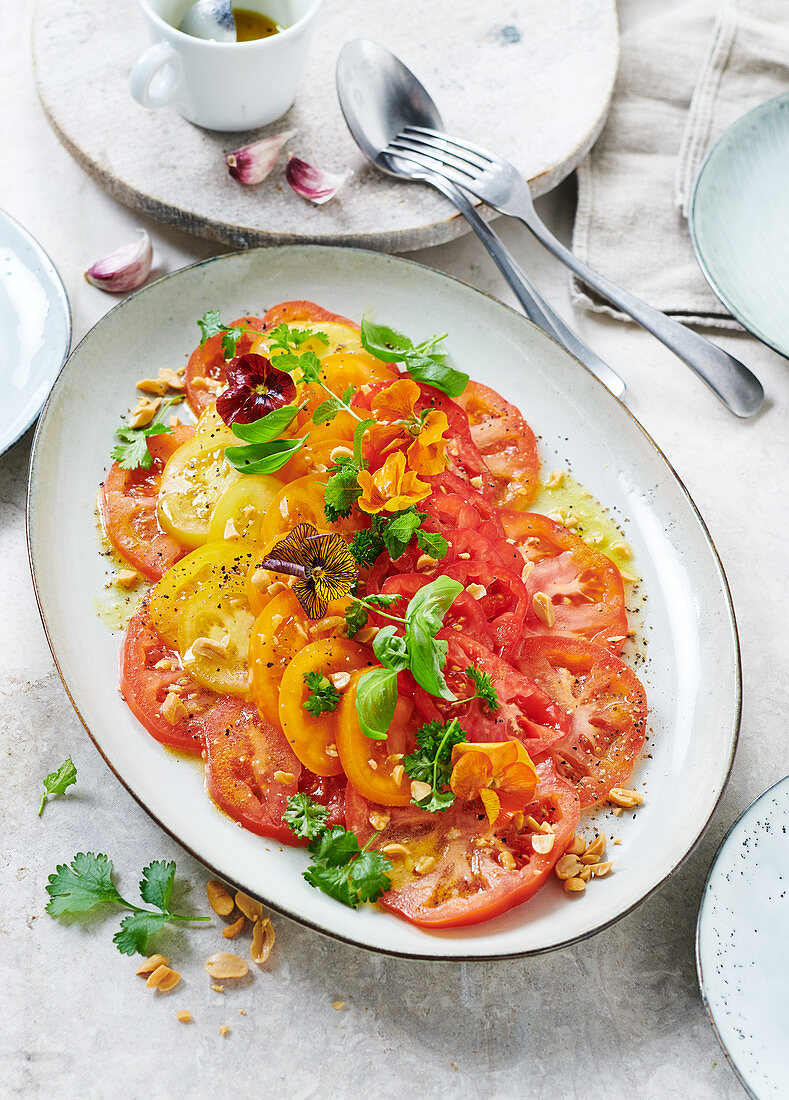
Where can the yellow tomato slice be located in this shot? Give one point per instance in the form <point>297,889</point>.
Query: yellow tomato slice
<point>316,456</point>
<point>218,569</point>
<point>371,765</point>
<point>193,480</point>
<point>213,639</point>
<point>241,510</point>
<point>211,423</point>
<point>314,739</point>
<point>301,501</point>
<point>282,630</point>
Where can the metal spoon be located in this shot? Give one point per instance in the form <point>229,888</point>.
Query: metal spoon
<point>379,96</point>
<point>211,19</point>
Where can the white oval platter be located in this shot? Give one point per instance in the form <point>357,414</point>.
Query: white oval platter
<point>691,670</point>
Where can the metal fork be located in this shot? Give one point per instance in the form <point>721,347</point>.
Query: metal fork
<point>499,184</point>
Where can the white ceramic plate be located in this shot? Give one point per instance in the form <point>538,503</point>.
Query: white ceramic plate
<point>739,221</point>
<point>692,666</point>
<point>741,939</point>
<point>35,328</point>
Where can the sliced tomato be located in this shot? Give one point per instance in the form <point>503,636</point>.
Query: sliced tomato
<point>583,586</point>
<point>607,707</point>
<point>478,874</point>
<point>506,443</point>
<point>305,312</point>
<point>150,670</point>
<point>501,595</point>
<point>465,613</point>
<point>371,765</point>
<point>205,371</point>
<point>526,712</point>
<point>127,505</point>
<point>250,770</point>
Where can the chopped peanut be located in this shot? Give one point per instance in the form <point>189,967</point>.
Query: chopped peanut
<point>477,590</point>
<point>250,907</point>
<point>163,978</point>
<point>601,869</point>
<point>419,790</point>
<point>379,819</point>
<point>425,864</point>
<point>543,608</point>
<point>224,965</point>
<point>574,885</point>
<point>233,929</point>
<point>147,966</point>
<point>543,843</point>
<point>184,1015</point>
<point>143,412</point>
<point>286,778</point>
<point>262,940</point>
<point>627,799</point>
<point>219,898</point>
<point>340,680</point>
<point>127,578</point>
<point>224,1030</point>
<point>173,710</point>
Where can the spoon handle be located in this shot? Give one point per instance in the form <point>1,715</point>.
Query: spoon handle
<point>534,305</point>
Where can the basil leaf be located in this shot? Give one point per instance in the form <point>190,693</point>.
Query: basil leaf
<point>390,649</point>
<point>399,531</point>
<point>384,343</point>
<point>359,431</point>
<point>327,410</point>
<point>424,618</point>
<point>431,603</point>
<point>263,458</point>
<point>424,368</point>
<point>268,427</point>
<point>376,699</point>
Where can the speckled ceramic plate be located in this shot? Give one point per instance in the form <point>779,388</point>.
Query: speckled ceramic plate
<point>35,328</point>
<point>741,940</point>
<point>739,221</point>
<point>691,666</point>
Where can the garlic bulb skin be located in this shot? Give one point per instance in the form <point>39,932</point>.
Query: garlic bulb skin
<point>313,183</point>
<point>252,163</point>
<point>124,269</point>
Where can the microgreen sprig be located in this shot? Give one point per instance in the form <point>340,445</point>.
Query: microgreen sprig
<point>58,782</point>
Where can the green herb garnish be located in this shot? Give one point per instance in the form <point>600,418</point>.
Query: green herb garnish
<point>57,782</point>
<point>323,696</point>
<point>422,361</point>
<point>431,762</point>
<point>132,451</point>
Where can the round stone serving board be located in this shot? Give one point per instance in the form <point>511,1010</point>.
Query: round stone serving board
<point>531,80</point>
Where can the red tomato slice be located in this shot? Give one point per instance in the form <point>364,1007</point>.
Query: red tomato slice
<point>250,770</point>
<point>127,505</point>
<point>584,586</point>
<point>607,707</point>
<point>526,712</point>
<point>304,312</point>
<point>205,371</point>
<point>470,881</point>
<point>506,443</point>
<point>145,687</point>
<point>465,613</point>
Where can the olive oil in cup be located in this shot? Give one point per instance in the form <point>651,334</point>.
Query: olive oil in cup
<point>251,25</point>
<point>225,86</point>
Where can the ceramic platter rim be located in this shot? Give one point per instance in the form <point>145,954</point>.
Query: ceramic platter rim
<point>731,834</point>
<point>47,274</point>
<point>638,483</point>
<point>717,277</point>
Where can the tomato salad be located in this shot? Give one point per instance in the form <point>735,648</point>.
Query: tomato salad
<point>378,651</point>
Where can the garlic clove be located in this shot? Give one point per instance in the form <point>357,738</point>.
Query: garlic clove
<point>314,183</point>
<point>252,163</point>
<point>124,269</point>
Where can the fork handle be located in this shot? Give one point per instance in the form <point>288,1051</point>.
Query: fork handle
<point>729,379</point>
<point>534,305</point>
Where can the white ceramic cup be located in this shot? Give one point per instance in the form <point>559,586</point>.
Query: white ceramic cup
<point>223,85</point>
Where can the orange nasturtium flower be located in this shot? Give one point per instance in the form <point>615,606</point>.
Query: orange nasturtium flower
<point>423,439</point>
<point>391,489</point>
<point>501,774</point>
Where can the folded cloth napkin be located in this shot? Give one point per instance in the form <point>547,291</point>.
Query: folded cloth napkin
<point>684,77</point>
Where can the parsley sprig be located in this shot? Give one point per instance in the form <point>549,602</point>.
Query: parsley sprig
<point>431,762</point>
<point>59,781</point>
<point>393,534</point>
<point>339,867</point>
<point>323,696</point>
<point>87,882</point>
<point>484,688</point>
<point>132,451</point>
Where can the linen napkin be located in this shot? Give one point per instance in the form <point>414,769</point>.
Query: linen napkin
<point>685,76</point>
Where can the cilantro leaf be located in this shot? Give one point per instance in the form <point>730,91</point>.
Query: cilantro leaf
<point>366,546</point>
<point>157,884</point>
<point>132,936</point>
<point>334,881</point>
<point>86,882</point>
<point>399,531</point>
<point>58,781</point>
<point>432,543</point>
<point>484,687</point>
<point>310,366</point>
<point>369,876</point>
<point>288,338</point>
<point>304,816</point>
<point>335,847</point>
<point>376,699</point>
<point>132,451</point>
<point>431,762</point>
<point>210,325</point>
<point>327,410</point>
<point>323,696</point>
<point>342,490</point>
<point>356,616</point>
<point>230,340</point>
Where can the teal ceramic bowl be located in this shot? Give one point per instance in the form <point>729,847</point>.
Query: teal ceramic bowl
<point>739,221</point>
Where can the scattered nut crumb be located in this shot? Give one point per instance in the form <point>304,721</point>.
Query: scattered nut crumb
<point>242,1012</point>
<point>218,988</point>
<point>338,1005</point>
<point>224,1030</point>
<point>624,797</point>
<point>224,965</point>
<point>147,966</point>
<point>285,778</point>
<point>127,578</point>
<point>184,1015</point>
<point>543,608</point>
<point>233,929</point>
<point>163,978</point>
<point>262,940</point>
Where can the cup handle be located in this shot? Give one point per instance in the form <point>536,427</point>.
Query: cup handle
<point>158,59</point>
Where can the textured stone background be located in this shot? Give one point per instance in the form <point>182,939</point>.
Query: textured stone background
<point>617,1016</point>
